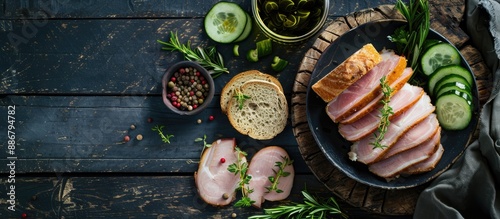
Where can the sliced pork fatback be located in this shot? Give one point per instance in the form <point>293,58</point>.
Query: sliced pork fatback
<point>395,86</point>
<point>365,126</point>
<point>363,149</point>
<point>393,166</point>
<point>416,135</point>
<point>215,184</point>
<point>367,88</point>
<point>262,166</point>
<point>427,164</point>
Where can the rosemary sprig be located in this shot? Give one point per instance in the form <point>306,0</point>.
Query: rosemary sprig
<point>311,208</point>
<point>209,58</point>
<point>241,167</point>
<point>240,97</point>
<point>386,112</point>
<point>159,130</point>
<point>410,38</point>
<point>275,180</point>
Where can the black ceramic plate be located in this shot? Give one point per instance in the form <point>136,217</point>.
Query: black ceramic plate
<point>325,132</point>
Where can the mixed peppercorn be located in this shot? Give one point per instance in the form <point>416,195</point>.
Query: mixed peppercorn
<point>187,89</point>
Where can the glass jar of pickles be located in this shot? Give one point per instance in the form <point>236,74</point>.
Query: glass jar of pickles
<point>290,21</point>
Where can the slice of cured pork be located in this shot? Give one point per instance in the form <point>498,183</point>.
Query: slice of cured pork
<point>363,149</point>
<point>416,135</point>
<point>427,164</point>
<point>372,105</point>
<point>394,165</point>
<point>364,90</point>
<point>215,184</point>
<point>365,126</point>
<point>262,166</point>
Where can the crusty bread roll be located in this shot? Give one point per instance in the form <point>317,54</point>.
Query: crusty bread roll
<point>264,115</point>
<point>348,72</point>
<point>238,80</point>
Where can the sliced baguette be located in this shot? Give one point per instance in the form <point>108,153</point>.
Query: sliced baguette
<point>238,80</point>
<point>348,72</point>
<point>264,115</point>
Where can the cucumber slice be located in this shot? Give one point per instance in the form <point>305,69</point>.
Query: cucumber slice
<point>264,47</point>
<point>236,50</point>
<point>247,31</point>
<point>437,55</point>
<point>225,22</point>
<point>278,64</point>
<point>454,110</point>
<point>456,86</point>
<point>448,79</point>
<point>444,71</point>
<point>430,42</point>
<point>253,55</point>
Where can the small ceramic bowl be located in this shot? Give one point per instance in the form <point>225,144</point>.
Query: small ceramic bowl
<point>187,102</point>
<point>267,15</point>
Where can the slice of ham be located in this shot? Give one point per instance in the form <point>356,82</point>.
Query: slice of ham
<point>365,126</point>
<point>367,88</point>
<point>363,149</point>
<point>393,166</point>
<point>215,184</point>
<point>262,166</point>
<point>395,86</point>
<point>415,136</point>
<point>427,164</point>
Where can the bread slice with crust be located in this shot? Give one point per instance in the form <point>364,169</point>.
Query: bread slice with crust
<point>348,72</point>
<point>263,115</point>
<point>238,80</point>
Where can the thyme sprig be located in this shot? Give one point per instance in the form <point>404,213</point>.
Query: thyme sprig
<point>275,180</point>
<point>386,112</point>
<point>159,130</point>
<point>205,144</point>
<point>310,208</point>
<point>240,97</point>
<point>209,58</point>
<point>240,168</point>
<point>410,38</point>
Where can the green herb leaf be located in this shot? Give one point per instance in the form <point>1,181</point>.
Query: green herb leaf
<point>410,38</point>
<point>240,97</point>
<point>241,167</point>
<point>159,130</point>
<point>209,58</point>
<point>278,174</point>
<point>386,113</point>
<point>310,208</point>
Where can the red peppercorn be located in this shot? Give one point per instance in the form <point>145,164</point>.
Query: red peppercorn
<point>211,118</point>
<point>197,73</point>
<point>126,138</point>
<point>182,70</point>
<point>223,160</point>
<point>191,93</point>
<point>24,215</point>
<point>150,120</point>
<point>195,106</point>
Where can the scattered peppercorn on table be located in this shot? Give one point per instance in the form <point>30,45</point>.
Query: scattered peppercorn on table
<point>85,133</point>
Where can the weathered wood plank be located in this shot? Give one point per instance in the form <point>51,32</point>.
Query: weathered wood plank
<point>64,196</point>
<point>15,9</point>
<point>86,134</point>
<point>113,56</point>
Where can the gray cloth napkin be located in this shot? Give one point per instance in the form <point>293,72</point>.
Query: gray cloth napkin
<point>471,187</point>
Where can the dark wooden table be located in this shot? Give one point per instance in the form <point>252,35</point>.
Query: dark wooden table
<point>75,75</point>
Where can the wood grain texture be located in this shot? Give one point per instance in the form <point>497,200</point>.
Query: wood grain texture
<point>446,18</point>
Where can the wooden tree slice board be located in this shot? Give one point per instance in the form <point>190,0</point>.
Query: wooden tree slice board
<point>445,18</point>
